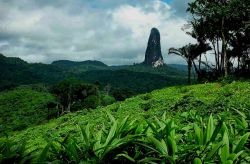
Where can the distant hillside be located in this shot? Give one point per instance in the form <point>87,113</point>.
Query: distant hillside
<point>137,82</point>
<point>136,78</point>
<point>164,70</point>
<point>68,63</point>
<point>82,66</point>
<point>15,72</point>
<point>180,67</point>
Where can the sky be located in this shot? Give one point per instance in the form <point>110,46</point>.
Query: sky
<point>115,32</point>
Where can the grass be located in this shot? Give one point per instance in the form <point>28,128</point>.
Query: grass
<point>187,110</point>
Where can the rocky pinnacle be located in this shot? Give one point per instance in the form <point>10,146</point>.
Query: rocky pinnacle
<point>153,56</point>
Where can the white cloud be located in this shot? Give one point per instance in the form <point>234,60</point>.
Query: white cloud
<point>4,44</point>
<point>139,21</point>
<point>118,34</point>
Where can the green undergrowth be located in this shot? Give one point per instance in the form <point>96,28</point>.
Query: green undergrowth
<point>23,107</point>
<point>185,105</point>
<point>203,98</point>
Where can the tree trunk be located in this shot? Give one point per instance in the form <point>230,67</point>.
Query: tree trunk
<point>219,55</point>
<point>200,62</point>
<point>189,70</point>
<point>238,63</point>
<point>225,58</point>
<point>196,70</point>
<point>215,55</point>
<point>224,49</point>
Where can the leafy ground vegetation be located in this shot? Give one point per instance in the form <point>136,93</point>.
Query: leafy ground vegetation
<point>36,104</point>
<point>205,123</point>
<point>23,107</point>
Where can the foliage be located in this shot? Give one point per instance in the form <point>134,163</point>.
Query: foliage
<point>23,107</point>
<point>72,92</point>
<point>161,140</point>
<point>107,100</point>
<point>212,21</point>
<point>122,94</point>
<point>199,123</point>
<point>14,152</point>
<point>191,52</point>
<point>91,101</point>
<point>16,72</point>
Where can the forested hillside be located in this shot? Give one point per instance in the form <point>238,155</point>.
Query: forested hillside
<point>134,78</point>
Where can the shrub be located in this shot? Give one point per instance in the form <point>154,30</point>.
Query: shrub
<point>14,152</point>
<point>71,93</point>
<point>92,102</point>
<point>122,94</point>
<point>147,96</point>
<point>146,106</point>
<point>107,100</point>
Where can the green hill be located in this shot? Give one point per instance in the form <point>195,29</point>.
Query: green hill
<point>187,109</point>
<point>68,63</point>
<point>79,67</point>
<point>23,107</point>
<point>15,72</point>
<point>134,78</point>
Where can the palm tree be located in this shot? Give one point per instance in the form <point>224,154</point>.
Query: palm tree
<point>190,52</point>
<point>185,53</point>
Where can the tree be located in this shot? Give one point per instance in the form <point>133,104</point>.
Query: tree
<point>190,52</point>
<point>222,19</point>
<point>72,93</point>
<point>184,52</point>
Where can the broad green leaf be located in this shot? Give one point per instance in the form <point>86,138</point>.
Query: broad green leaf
<point>152,127</point>
<point>111,117</point>
<point>160,124</point>
<point>224,128</point>
<point>43,155</point>
<point>234,156</point>
<point>198,136</point>
<point>212,153</point>
<point>240,113</point>
<point>172,145</point>
<point>161,146</point>
<point>127,157</point>
<point>241,143</point>
<point>164,116</point>
<point>111,134</point>
<point>210,128</point>
<point>225,148</point>
<point>216,131</point>
<point>197,161</point>
<point>122,125</point>
<point>71,149</point>
<point>86,135</point>
<point>149,160</point>
<point>242,123</point>
<point>171,128</point>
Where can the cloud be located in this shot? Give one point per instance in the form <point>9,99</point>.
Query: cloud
<point>180,7</point>
<point>115,32</point>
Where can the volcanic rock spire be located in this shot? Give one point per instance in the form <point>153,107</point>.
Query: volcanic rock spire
<point>153,56</point>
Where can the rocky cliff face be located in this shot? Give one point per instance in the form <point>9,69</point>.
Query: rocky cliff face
<point>153,56</point>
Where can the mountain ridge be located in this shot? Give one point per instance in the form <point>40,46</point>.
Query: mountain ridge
<point>16,71</point>
<point>74,63</point>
